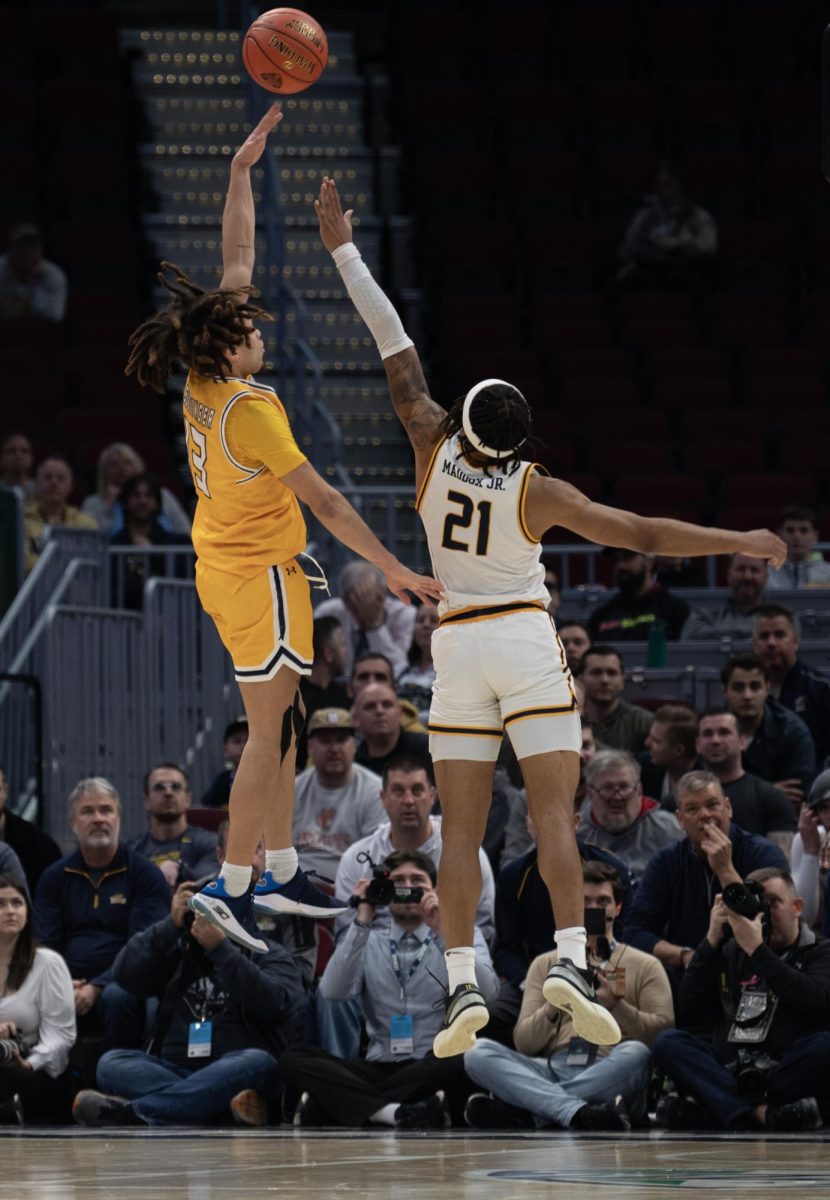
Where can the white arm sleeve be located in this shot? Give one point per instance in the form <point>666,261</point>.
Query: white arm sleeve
<point>371,301</point>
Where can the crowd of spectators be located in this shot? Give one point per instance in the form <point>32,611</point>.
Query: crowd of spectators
<point>124,1010</point>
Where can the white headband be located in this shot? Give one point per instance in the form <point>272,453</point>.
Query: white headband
<point>466,424</point>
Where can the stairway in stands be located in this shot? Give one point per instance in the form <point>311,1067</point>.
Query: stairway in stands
<point>196,103</point>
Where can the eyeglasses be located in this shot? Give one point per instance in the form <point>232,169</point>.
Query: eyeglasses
<point>174,785</point>
<point>609,790</point>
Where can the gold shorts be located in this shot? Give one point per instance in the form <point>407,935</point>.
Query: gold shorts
<point>265,622</point>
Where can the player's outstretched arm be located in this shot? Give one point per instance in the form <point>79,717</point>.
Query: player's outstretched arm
<point>420,416</point>
<point>338,516</point>
<point>238,218</point>
<point>554,502</point>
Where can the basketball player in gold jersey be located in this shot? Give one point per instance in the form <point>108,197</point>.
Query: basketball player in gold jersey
<point>499,664</point>
<point>248,532</point>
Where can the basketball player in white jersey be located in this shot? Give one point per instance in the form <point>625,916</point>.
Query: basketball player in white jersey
<point>498,660</point>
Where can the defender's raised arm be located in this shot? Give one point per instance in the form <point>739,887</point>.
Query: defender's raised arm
<point>420,416</point>
<point>238,218</point>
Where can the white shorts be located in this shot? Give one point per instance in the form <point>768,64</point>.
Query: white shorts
<point>497,671</point>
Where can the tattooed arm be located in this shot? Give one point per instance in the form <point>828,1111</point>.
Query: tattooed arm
<point>420,416</point>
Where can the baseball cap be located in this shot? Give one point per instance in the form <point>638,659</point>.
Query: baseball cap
<point>820,790</point>
<point>330,718</point>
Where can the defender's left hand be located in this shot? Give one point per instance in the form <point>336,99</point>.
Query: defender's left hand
<point>335,225</point>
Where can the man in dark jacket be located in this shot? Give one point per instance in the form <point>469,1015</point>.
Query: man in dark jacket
<point>224,1014</point>
<point>766,995</point>
<point>778,747</point>
<point>90,903</point>
<point>800,689</point>
<point>670,911</point>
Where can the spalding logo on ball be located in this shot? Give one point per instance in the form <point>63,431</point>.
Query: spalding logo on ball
<point>285,50</point>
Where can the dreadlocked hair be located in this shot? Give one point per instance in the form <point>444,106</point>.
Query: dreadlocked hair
<point>501,417</point>
<point>197,327</point>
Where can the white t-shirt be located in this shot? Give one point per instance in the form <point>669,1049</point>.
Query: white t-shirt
<point>328,820</point>
<point>43,1010</point>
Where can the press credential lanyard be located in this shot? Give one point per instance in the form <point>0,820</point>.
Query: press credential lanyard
<point>396,964</point>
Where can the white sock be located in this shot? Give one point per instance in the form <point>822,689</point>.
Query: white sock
<point>385,1115</point>
<point>236,879</point>
<point>282,864</point>
<point>571,943</point>
<point>461,966</point>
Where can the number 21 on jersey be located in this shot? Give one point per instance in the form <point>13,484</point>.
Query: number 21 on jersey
<point>464,520</point>
<point>198,457</point>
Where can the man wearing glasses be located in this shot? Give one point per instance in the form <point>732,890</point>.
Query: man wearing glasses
<point>618,817</point>
<point>179,850</point>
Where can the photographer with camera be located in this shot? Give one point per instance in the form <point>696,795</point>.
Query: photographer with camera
<point>555,1078</point>
<point>37,1017</point>
<point>223,1017</point>
<point>760,979</point>
<point>399,974</point>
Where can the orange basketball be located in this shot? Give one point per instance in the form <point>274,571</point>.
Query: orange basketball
<point>285,50</point>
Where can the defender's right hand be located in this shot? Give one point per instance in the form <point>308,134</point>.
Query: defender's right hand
<point>762,543</point>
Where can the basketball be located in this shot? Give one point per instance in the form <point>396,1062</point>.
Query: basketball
<point>285,51</point>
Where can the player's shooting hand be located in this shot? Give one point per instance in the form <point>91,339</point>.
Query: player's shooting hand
<point>250,152</point>
<point>399,578</point>
<point>335,225</point>
<point>762,543</point>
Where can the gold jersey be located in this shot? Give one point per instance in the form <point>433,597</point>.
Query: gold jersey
<point>239,445</point>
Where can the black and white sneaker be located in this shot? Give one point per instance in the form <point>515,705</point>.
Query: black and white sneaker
<point>572,989</point>
<point>487,1112</point>
<point>466,1014</point>
<point>431,1113</point>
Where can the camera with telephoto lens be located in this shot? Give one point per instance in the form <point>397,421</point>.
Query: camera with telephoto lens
<point>12,1048</point>
<point>748,900</point>
<point>752,1072</point>
<point>382,891</point>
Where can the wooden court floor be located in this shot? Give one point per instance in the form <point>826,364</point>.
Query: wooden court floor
<point>222,1164</point>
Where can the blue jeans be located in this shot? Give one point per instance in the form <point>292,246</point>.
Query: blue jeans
<point>552,1091</point>
<point>164,1094</point>
<point>121,1015</point>
<point>693,1065</point>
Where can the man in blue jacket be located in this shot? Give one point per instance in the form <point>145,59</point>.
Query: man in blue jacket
<point>670,912</point>
<point>90,903</point>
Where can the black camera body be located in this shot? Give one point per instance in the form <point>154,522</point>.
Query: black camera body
<point>382,892</point>
<point>748,900</point>
<point>752,1072</point>
<point>12,1048</point>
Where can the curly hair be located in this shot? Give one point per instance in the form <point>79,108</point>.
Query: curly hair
<point>197,327</point>
<point>500,416</point>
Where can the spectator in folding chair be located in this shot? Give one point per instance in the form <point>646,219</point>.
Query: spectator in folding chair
<point>616,723</point>
<point>48,507</point>
<point>757,806</point>
<point>639,604</point>
<point>30,285</point>
<point>778,746</point>
<point>619,817</point>
<point>16,460</point>
<point>805,566</point>
<point>795,685</point>
<point>746,579</point>
<point>671,242</point>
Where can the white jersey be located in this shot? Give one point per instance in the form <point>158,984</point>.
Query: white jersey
<point>478,539</point>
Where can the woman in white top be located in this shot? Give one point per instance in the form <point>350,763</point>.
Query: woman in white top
<point>37,1017</point>
<point>415,683</point>
<point>116,464</point>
